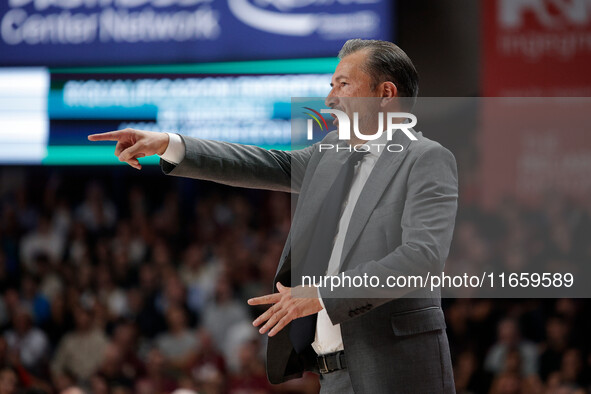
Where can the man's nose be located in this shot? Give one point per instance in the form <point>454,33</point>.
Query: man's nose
<point>331,100</point>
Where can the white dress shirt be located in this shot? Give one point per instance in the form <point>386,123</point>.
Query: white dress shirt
<point>328,337</point>
<point>175,151</point>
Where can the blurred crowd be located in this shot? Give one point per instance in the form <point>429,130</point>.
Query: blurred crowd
<point>521,345</point>
<point>114,282</point>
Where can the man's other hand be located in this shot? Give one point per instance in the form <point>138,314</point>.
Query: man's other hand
<point>133,144</point>
<point>288,304</point>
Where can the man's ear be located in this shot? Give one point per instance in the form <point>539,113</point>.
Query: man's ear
<point>389,92</point>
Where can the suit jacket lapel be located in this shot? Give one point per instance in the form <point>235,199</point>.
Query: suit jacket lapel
<point>307,210</point>
<point>383,172</point>
<point>309,203</point>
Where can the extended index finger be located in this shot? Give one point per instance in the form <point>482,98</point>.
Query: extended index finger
<point>108,136</point>
<point>266,299</point>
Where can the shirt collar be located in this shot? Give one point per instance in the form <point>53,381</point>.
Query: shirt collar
<point>377,146</point>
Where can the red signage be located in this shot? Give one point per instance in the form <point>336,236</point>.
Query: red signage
<point>537,48</point>
<point>532,148</point>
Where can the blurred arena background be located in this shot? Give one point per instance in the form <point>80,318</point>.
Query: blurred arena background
<point>119,281</point>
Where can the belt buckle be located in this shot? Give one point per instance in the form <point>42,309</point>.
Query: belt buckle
<point>324,369</point>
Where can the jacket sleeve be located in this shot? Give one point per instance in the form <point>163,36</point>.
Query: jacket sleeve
<point>241,165</point>
<point>427,225</point>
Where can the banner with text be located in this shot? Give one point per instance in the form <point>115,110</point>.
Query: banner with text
<point>89,32</point>
<point>538,48</point>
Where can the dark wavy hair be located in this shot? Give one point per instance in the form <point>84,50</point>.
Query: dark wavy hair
<point>386,62</point>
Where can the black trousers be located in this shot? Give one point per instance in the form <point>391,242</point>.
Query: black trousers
<point>337,382</point>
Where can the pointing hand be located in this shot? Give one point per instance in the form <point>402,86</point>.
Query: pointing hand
<point>133,144</point>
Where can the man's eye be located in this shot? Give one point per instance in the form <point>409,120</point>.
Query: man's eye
<point>344,83</point>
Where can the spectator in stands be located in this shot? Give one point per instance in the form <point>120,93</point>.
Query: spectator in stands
<point>142,303</point>
<point>251,376</point>
<point>557,335</point>
<point>198,276</point>
<point>44,240</point>
<point>129,243</point>
<point>156,380</point>
<point>173,292</point>
<point>96,212</point>
<point>29,343</point>
<point>50,281</point>
<point>208,367</point>
<point>78,249</point>
<point>98,384</point>
<point>468,374</point>
<point>111,370</point>
<point>125,338</point>
<point>108,293</point>
<point>223,313</point>
<point>178,344</point>
<point>34,299</point>
<point>80,352</point>
<point>506,383</point>
<point>153,282</point>
<point>8,381</point>
<point>571,369</point>
<point>511,353</point>
<point>60,321</point>
<point>73,390</point>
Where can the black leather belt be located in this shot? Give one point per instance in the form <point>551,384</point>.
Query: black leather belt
<point>332,362</point>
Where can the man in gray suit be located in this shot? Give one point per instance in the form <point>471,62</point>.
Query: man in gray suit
<point>396,218</point>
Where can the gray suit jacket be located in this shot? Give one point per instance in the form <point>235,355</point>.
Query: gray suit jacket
<point>394,340</point>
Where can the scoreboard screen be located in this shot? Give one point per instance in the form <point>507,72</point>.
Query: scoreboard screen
<point>47,114</point>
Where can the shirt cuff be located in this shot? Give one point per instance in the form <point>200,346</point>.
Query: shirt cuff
<point>175,152</point>
<point>320,297</point>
